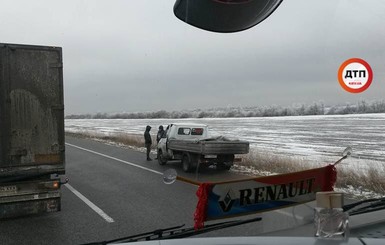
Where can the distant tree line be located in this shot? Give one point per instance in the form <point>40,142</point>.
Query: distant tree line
<point>270,111</point>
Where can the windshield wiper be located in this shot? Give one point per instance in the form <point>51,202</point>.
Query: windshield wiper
<point>176,232</point>
<point>375,204</point>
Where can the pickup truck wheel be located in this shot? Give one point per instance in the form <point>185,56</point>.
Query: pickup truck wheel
<point>226,161</point>
<point>227,167</point>
<point>186,164</point>
<point>161,158</point>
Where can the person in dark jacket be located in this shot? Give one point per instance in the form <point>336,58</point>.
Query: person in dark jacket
<point>148,141</point>
<point>160,134</point>
<point>168,127</point>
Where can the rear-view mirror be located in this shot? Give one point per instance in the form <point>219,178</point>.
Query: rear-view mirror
<point>224,15</point>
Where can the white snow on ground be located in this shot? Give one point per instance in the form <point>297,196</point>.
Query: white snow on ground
<point>317,138</point>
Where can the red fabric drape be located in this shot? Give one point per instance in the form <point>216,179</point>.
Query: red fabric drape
<point>330,178</point>
<point>200,212</point>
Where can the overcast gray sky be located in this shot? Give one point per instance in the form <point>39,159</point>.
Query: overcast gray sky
<point>133,56</point>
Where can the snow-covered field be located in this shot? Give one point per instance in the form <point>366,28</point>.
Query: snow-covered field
<point>317,138</point>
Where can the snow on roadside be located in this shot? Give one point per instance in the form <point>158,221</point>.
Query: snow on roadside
<point>112,143</point>
<point>359,193</point>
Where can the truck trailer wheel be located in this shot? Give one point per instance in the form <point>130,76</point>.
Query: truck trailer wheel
<point>223,166</point>
<point>161,158</point>
<point>186,163</point>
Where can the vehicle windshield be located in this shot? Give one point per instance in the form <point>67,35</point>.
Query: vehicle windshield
<point>283,95</point>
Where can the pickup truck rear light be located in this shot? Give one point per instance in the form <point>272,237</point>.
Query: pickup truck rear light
<point>210,156</point>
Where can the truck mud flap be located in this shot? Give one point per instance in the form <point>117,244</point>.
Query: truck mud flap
<point>18,209</point>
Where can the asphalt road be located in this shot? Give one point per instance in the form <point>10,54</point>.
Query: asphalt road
<point>114,192</point>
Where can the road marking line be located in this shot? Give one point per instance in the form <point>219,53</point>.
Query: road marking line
<point>116,159</point>
<point>157,172</point>
<point>90,204</point>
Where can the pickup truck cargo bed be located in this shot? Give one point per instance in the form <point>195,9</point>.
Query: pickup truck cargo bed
<point>210,147</point>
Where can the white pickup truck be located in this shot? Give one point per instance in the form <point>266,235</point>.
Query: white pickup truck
<point>191,144</point>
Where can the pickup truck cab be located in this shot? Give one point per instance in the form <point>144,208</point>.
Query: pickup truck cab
<point>192,144</point>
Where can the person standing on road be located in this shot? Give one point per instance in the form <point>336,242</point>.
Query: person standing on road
<point>165,132</point>
<point>160,134</point>
<point>148,141</point>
